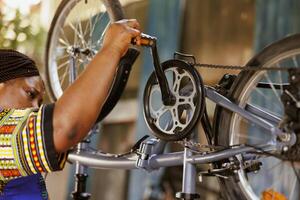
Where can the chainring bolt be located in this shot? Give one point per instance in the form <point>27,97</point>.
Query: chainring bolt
<point>285,148</point>
<point>285,137</point>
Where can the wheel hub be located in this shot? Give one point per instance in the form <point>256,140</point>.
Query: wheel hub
<point>77,51</point>
<point>293,153</point>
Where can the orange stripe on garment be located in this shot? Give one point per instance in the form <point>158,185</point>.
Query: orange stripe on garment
<point>10,172</point>
<point>7,129</point>
<point>33,145</point>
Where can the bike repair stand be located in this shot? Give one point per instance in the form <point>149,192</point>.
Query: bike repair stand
<point>81,176</point>
<point>189,177</point>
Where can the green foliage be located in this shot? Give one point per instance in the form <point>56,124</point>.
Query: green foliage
<point>22,32</point>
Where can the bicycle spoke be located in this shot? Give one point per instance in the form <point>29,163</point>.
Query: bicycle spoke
<point>75,38</point>
<point>280,79</point>
<point>293,188</point>
<point>87,24</point>
<point>63,42</point>
<point>62,57</point>
<point>101,37</point>
<point>274,166</point>
<point>277,177</point>
<point>76,32</point>
<point>96,21</point>
<point>62,65</point>
<point>295,61</point>
<point>81,34</point>
<point>272,87</point>
<point>266,97</point>
<point>64,36</point>
<point>60,49</point>
<point>62,79</point>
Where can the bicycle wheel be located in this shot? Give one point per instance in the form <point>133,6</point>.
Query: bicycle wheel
<point>75,36</point>
<point>275,177</point>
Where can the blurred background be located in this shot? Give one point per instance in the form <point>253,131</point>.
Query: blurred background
<point>214,31</point>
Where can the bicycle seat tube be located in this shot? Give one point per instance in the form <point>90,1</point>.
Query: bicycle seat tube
<point>167,96</point>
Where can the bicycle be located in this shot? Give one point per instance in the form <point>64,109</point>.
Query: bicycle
<point>247,139</point>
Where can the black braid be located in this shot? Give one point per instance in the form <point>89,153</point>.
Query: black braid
<point>14,64</point>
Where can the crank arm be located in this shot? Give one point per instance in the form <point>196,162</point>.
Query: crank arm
<point>150,41</point>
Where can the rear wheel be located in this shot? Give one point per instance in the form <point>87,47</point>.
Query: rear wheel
<point>275,178</point>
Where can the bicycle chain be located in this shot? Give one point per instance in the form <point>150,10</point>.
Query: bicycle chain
<point>242,68</point>
<point>189,143</point>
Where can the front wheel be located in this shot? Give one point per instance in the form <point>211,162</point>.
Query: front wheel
<point>274,178</point>
<point>75,36</point>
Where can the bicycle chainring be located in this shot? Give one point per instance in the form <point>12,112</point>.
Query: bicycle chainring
<point>174,122</point>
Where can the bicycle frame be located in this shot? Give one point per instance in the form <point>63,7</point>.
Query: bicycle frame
<point>251,113</point>
<point>150,155</point>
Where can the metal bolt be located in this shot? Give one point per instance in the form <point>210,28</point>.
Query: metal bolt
<point>200,178</point>
<point>285,148</point>
<point>285,137</point>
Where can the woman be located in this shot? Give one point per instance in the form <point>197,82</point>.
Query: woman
<point>34,138</point>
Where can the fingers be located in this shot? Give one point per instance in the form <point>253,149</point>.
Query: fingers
<point>136,40</point>
<point>135,33</point>
<point>120,34</point>
<point>133,23</point>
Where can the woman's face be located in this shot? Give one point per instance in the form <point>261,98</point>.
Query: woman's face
<point>22,92</point>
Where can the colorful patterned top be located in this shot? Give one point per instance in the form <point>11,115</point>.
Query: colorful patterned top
<point>26,143</point>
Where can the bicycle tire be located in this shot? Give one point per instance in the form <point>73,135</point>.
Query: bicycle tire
<point>114,12</point>
<point>225,121</point>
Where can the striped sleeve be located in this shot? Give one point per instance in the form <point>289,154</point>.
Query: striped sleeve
<point>29,146</point>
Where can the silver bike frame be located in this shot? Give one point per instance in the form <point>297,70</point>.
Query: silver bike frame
<point>150,155</point>
<point>251,113</point>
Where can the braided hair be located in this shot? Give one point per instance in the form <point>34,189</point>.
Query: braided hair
<point>14,64</point>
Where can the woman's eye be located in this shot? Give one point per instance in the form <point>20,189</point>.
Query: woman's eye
<point>30,94</point>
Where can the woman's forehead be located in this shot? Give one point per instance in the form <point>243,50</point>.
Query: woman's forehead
<point>36,82</point>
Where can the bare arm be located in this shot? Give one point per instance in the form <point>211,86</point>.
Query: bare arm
<point>78,108</point>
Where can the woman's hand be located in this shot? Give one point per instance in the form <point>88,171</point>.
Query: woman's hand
<point>120,34</point>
